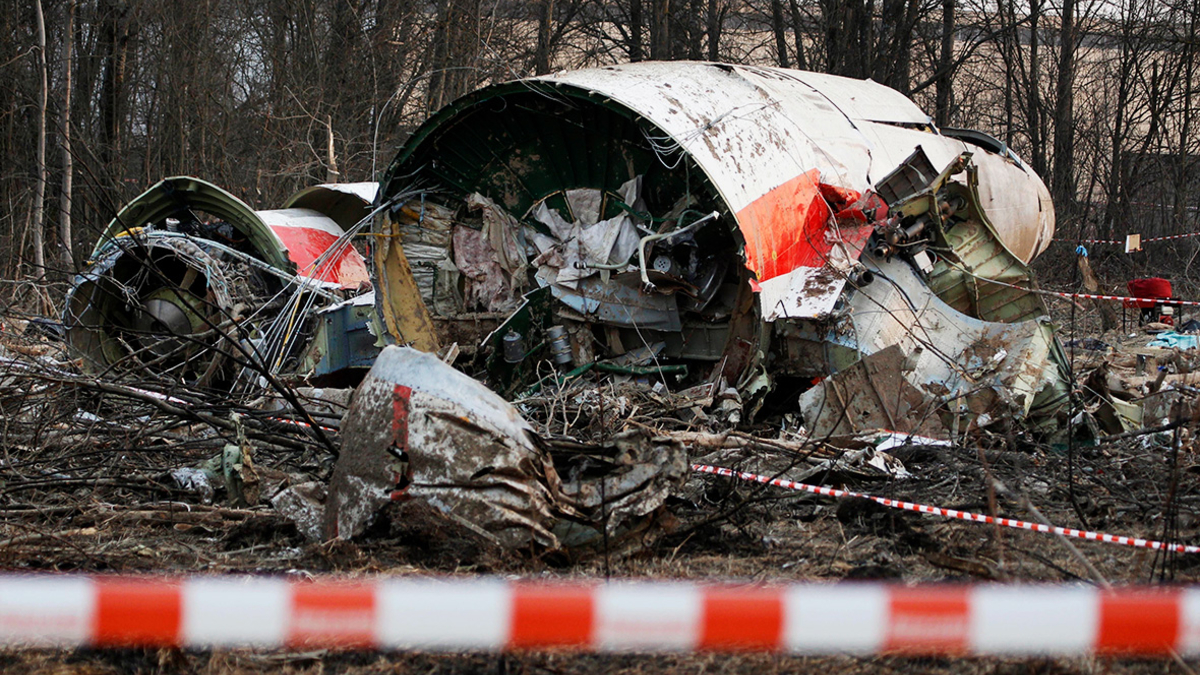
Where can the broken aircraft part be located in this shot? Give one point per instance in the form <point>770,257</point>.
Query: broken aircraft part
<point>419,429</point>
<point>187,278</point>
<point>738,215</point>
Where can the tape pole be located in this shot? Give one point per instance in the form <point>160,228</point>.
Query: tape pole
<point>492,614</point>
<point>950,513</point>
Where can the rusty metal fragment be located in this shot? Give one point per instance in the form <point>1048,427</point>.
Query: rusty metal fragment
<point>871,394</point>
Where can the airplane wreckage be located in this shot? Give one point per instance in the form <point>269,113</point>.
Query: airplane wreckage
<point>758,231</point>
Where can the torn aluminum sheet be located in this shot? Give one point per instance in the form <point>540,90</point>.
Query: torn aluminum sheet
<point>975,372</point>
<point>587,245</point>
<point>817,182</point>
<point>871,394</point>
<point>619,487</point>
<point>419,429</point>
<point>933,333</point>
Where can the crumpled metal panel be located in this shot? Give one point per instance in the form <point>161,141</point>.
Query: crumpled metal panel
<point>419,429</point>
<point>165,198</point>
<point>995,371</point>
<point>287,239</point>
<point>466,450</point>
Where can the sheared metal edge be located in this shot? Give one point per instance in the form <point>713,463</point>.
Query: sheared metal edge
<point>950,351</point>
<point>365,192</point>
<point>261,227</point>
<point>754,130</point>
<point>345,203</point>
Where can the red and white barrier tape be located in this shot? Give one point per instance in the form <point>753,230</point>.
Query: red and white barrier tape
<point>950,513</point>
<point>493,614</point>
<point>1090,296</point>
<point>1122,241</point>
<point>1093,296</point>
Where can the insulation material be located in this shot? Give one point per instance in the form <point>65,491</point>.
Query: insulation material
<point>500,231</point>
<point>487,286</point>
<point>425,232</point>
<point>767,133</point>
<point>585,243</point>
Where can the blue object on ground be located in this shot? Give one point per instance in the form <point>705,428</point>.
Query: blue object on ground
<point>1171,339</point>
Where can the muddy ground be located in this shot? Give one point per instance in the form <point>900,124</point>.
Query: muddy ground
<point>101,501</point>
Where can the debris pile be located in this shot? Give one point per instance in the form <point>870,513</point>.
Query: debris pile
<point>612,294</point>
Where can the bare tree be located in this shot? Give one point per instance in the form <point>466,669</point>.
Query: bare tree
<point>1063,179</point>
<point>39,190</point>
<point>945,74</point>
<point>68,168</point>
<point>780,30</point>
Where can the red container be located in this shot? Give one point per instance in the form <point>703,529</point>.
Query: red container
<point>1150,287</point>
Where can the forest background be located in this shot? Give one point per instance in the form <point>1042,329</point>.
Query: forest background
<point>99,99</point>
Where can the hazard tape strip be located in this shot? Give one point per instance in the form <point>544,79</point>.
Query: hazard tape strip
<point>1088,296</point>
<point>1093,296</point>
<point>949,513</point>
<point>648,616</point>
<point>1121,242</point>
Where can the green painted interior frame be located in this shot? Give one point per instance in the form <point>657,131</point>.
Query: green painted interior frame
<point>970,252</point>
<point>566,138</point>
<point>588,141</point>
<point>168,196</point>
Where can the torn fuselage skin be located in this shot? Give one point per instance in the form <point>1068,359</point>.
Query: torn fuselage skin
<point>705,222</point>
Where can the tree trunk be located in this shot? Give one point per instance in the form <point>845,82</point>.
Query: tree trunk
<point>1009,41</point>
<point>116,35</point>
<point>945,60</point>
<point>541,59</point>
<point>695,31</point>
<point>778,27</point>
<point>1063,178</point>
<point>715,16</point>
<point>1184,161</point>
<point>660,30</point>
<point>1034,109</point>
<point>331,170</point>
<point>39,189</point>
<point>636,53</point>
<point>798,34</point>
<point>64,207</point>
